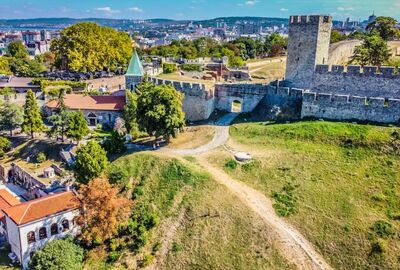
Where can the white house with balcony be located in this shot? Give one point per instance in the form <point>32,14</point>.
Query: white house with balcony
<point>30,225</point>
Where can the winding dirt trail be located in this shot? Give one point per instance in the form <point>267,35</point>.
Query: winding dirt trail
<point>292,244</point>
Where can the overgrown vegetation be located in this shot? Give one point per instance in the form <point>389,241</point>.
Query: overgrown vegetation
<point>162,188</point>
<point>237,50</point>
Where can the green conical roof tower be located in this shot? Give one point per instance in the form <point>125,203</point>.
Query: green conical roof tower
<point>135,67</point>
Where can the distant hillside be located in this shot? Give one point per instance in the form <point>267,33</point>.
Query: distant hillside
<point>130,23</point>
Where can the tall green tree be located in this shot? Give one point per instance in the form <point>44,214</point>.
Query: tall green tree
<point>11,117</point>
<point>91,162</point>
<point>373,51</point>
<point>77,127</point>
<point>32,119</point>
<point>60,117</point>
<point>130,114</point>
<point>17,49</point>
<point>60,254</point>
<point>385,27</point>
<point>275,44</point>
<point>159,110</point>
<point>90,47</point>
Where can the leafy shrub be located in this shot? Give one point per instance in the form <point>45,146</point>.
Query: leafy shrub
<point>139,225</point>
<point>383,229</point>
<point>378,247</point>
<point>169,68</point>
<point>231,164</point>
<point>118,175</point>
<point>5,145</point>
<point>114,144</point>
<point>285,201</point>
<point>58,254</point>
<point>113,256</point>
<point>176,247</point>
<point>41,157</point>
<point>147,259</point>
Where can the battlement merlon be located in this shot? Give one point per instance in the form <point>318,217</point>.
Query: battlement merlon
<point>311,19</point>
<point>386,72</point>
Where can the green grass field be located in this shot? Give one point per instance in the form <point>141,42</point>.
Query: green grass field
<point>339,184</point>
<point>216,231</point>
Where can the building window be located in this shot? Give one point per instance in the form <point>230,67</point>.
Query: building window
<point>65,225</point>
<point>31,237</point>
<point>42,233</point>
<point>54,229</point>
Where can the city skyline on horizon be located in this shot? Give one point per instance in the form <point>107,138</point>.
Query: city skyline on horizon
<point>195,9</point>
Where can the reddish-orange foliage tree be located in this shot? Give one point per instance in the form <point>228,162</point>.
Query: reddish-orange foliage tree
<point>103,210</point>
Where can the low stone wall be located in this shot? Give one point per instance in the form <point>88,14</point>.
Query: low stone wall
<point>346,107</point>
<point>357,81</point>
<point>24,178</point>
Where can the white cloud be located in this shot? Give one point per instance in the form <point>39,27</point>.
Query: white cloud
<point>107,10</point>
<point>284,9</point>
<point>136,9</point>
<point>345,8</point>
<point>248,3</point>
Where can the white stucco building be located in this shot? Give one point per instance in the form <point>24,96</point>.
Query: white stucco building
<point>29,225</point>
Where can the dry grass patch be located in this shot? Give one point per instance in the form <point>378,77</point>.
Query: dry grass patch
<point>193,137</point>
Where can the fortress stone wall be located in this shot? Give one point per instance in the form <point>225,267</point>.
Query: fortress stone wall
<point>346,107</point>
<point>249,95</point>
<point>198,102</point>
<point>340,53</point>
<point>357,81</point>
<point>318,88</point>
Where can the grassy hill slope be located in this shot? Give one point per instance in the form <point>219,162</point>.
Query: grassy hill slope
<point>213,230</point>
<point>338,183</point>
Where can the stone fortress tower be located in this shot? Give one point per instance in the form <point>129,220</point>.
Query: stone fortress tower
<point>308,46</point>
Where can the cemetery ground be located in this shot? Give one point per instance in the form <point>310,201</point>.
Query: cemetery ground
<point>337,183</point>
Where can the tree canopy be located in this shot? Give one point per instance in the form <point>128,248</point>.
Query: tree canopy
<point>91,162</point>
<point>17,61</point>
<point>244,48</point>
<point>32,119</point>
<point>385,27</point>
<point>5,145</point>
<point>61,254</point>
<point>17,49</point>
<point>159,109</point>
<point>373,51</point>
<point>104,211</point>
<point>11,116</point>
<point>90,47</point>
<point>77,127</point>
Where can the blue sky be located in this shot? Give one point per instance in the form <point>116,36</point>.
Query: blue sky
<point>195,9</point>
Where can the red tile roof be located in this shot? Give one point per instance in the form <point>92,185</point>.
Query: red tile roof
<point>46,206</point>
<point>82,102</point>
<point>7,200</point>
